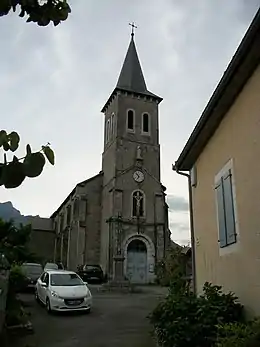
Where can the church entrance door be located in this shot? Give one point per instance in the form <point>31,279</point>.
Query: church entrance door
<point>137,262</point>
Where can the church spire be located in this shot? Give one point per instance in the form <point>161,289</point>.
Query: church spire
<point>131,77</point>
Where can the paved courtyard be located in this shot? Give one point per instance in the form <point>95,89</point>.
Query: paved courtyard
<point>116,320</point>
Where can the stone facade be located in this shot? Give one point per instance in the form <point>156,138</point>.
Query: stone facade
<point>42,237</point>
<point>108,215</point>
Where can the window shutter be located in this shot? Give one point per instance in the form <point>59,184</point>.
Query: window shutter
<point>229,208</point>
<point>221,214</point>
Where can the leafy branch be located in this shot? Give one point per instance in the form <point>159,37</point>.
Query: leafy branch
<point>13,173</point>
<point>41,12</point>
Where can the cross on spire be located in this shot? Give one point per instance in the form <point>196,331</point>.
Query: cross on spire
<point>133,28</point>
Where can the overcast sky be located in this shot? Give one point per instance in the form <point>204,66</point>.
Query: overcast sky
<point>54,82</point>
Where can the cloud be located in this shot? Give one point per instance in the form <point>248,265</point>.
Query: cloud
<point>177,203</point>
<point>181,227</point>
<point>180,232</point>
<point>54,81</point>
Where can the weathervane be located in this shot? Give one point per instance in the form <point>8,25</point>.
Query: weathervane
<point>133,28</point>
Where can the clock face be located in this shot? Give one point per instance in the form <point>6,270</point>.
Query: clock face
<point>138,176</point>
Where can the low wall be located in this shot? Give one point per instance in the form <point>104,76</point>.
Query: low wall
<point>4,276</point>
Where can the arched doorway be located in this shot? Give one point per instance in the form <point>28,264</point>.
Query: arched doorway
<point>137,261</point>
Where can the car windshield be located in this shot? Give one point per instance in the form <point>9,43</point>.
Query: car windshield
<point>66,280</point>
<point>34,269</point>
<point>51,266</point>
<point>91,267</point>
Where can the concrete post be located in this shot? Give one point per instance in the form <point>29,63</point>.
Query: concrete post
<point>119,268</point>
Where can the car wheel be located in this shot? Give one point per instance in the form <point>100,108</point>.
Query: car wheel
<point>88,311</point>
<point>48,306</point>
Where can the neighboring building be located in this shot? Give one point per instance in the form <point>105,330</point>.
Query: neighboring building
<point>42,238</point>
<point>222,155</point>
<point>121,212</point>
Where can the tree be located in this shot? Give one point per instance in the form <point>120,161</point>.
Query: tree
<point>171,271</point>
<point>15,250</point>
<point>41,12</point>
<point>14,243</point>
<point>13,173</point>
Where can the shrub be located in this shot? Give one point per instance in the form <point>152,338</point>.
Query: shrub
<point>183,319</point>
<point>173,266</point>
<point>14,311</point>
<point>239,334</point>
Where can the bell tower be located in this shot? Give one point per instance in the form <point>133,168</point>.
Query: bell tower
<point>133,200</point>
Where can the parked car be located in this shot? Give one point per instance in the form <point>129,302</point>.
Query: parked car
<point>60,266</point>
<point>32,272</point>
<point>91,273</point>
<point>61,290</point>
<point>51,266</point>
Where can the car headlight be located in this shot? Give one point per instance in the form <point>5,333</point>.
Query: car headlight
<point>55,295</point>
<point>88,295</point>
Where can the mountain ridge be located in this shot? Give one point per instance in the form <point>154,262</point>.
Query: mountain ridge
<point>8,211</point>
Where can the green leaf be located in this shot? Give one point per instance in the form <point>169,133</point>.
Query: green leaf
<point>6,146</point>
<point>12,174</point>
<point>3,137</point>
<point>22,13</point>
<point>44,21</point>
<point>56,22</point>
<point>14,139</point>
<point>28,150</point>
<point>15,159</point>
<point>63,14</point>
<point>33,164</point>
<point>49,154</point>
<point>1,172</point>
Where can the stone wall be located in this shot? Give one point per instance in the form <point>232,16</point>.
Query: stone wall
<point>42,238</point>
<point>4,276</point>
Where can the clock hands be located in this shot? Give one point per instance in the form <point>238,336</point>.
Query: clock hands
<point>138,176</point>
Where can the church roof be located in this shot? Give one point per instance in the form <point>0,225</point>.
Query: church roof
<point>80,184</point>
<point>131,78</point>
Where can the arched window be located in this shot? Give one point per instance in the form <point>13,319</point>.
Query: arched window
<point>76,209</point>
<point>130,120</point>
<point>105,131</point>
<point>61,223</point>
<point>145,123</point>
<point>112,125</point>
<point>138,204</point>
<point>68,214</point>
<point>108,131</point>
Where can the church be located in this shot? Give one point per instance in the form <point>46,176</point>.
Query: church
<point>121,213</point>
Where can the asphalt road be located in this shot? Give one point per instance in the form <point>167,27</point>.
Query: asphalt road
<point>116,320</point>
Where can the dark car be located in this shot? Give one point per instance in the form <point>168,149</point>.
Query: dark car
<point>91,273</point>
<point>32,272</point>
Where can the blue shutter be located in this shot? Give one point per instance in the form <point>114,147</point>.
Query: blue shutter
<point>221,214</point>
<point>229,208</point>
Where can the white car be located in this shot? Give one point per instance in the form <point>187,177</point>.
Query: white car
<point>61,290</point>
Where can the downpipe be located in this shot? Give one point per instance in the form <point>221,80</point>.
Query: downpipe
<point>192,233</point>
